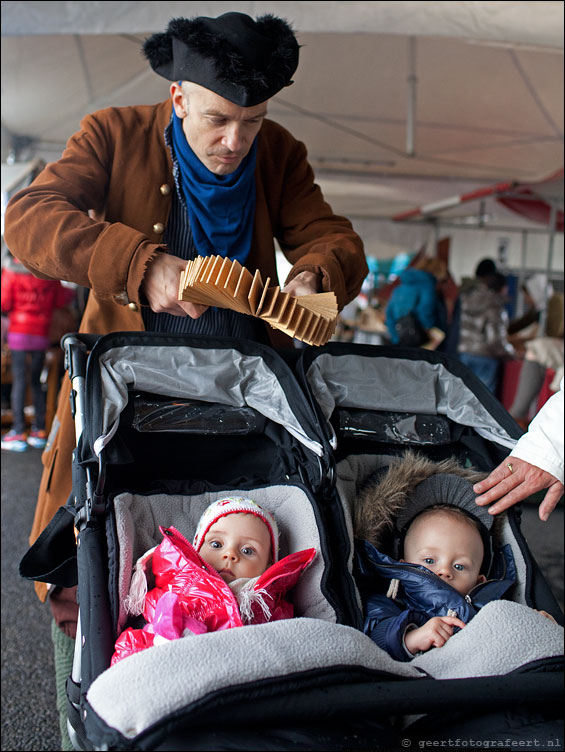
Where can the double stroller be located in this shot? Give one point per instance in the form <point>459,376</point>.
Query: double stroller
<point>166,425</point>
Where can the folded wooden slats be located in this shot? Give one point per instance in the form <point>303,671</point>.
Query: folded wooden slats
<point>221,282</point>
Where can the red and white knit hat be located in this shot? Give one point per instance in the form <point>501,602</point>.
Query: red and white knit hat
<point>236,505</point>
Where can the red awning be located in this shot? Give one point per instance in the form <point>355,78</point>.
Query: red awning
<point>530,200</point>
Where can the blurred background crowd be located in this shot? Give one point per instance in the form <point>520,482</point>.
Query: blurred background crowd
<point>507,330</point>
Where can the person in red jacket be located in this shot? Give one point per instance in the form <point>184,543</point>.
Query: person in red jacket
<point>29,303</point>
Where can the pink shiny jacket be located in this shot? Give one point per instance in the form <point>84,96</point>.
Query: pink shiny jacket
<point>190,597</point>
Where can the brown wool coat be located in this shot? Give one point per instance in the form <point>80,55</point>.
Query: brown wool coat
<point>97,216</point>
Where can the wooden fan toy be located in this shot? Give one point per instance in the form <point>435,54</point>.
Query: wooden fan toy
<point>225,283</point>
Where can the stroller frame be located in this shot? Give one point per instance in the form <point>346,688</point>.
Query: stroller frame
<point>364,697</point>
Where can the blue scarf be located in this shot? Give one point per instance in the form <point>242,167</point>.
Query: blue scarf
<point>221,208</point>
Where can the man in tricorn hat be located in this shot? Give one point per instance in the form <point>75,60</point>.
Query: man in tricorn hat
<point>140,190</point>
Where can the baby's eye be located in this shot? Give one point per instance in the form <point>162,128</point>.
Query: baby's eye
<point>429,560</point>
<point>215,544</point>
<point>459,567</point>
<point>247,551</point>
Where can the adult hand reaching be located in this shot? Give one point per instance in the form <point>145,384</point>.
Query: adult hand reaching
<point>514,480</point>
<point>161,287</point>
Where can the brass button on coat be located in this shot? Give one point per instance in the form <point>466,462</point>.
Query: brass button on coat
<point>158,227</point>
<point>133,307</point>
<point>165,189</point>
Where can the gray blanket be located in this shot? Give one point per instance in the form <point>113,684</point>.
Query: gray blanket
<point>146,687</point>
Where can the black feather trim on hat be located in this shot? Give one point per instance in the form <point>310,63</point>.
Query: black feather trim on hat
<point>158,49</point>
<point>242,60</point>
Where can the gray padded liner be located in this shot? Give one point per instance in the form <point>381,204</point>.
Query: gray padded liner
<point>225,376</point>
<point>402,385</point>
<point>138,519</point>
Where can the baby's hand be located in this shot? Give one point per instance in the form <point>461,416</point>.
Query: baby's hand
<point>547,616</point>
<point>435,633</point>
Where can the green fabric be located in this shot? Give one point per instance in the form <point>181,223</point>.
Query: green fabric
<point>64,648</point>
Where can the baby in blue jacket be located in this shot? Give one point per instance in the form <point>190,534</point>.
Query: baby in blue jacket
<point>443,566</point>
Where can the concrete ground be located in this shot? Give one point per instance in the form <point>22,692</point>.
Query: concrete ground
<point>29,716</point>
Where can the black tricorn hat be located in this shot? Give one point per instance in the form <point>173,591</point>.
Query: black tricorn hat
<point>242,60</point>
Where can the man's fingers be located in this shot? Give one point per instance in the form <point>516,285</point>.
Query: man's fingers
<point>194,310</point>
<point>299,288</point>
<point>305,283</point>
<point>161,283</point>
<point>180,309</point>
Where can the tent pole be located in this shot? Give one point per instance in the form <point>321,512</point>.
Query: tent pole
<point>552,220</point>
<point>436,235</point>
<point>411,105</point>
<point>522,274</point>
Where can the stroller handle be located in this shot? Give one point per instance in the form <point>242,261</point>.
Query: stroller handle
<point>76,356</point>
<point>76,347</point>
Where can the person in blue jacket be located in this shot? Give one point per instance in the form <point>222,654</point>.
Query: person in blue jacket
<point>444,567</point>
<point>417,295</point>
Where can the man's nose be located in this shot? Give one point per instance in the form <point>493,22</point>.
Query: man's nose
<point>234,138</point>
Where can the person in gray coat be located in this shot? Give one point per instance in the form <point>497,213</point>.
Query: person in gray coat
<point>483,343</point>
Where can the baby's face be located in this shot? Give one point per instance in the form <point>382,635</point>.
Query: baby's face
<point>238,545</point>
<point>448,546</point>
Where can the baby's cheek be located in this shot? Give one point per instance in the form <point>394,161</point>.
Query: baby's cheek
<point>208,557</point>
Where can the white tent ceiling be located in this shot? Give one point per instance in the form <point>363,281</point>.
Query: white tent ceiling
<point>398,103</point>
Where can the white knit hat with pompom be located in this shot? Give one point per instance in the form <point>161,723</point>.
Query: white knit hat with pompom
<point>236,505</point>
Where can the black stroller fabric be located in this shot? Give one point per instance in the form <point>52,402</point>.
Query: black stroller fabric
<point>173,423</point>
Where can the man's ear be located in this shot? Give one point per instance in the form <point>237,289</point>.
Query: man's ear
<point>179,100</point>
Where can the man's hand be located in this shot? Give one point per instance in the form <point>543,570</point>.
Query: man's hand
<point>510,487</point>
<point>305,283</point>
<point>435,633</point>
<point>161,287</point>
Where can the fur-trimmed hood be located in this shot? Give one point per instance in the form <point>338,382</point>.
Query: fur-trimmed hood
<point>388,493</point>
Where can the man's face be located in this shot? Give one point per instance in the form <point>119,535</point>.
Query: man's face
<point>219,132</point>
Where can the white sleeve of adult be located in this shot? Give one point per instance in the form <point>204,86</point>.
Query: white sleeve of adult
<point>542,444</point>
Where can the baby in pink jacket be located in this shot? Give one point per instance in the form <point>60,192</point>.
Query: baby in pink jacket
<point>230,576</point>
